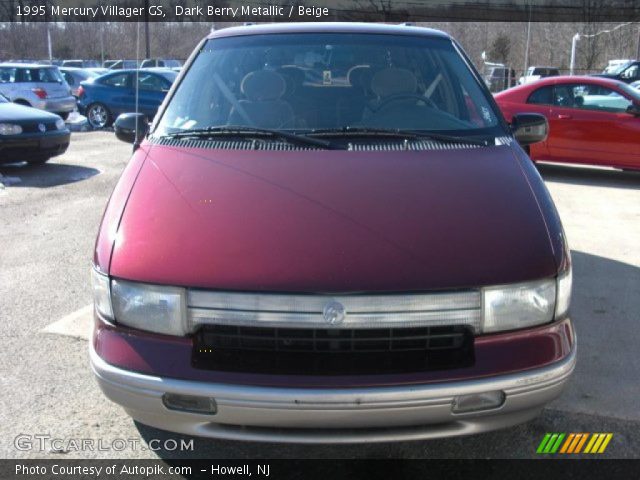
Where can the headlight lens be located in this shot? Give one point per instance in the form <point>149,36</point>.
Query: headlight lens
<point>101,295</point>
<point>154,308</point>
<point>59,124</point>
<point>10,129</point>
<point>521,305</point>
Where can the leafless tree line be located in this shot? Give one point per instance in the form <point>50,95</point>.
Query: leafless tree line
<point>550,43</point>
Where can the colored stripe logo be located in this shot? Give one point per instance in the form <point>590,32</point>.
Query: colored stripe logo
<point>574,443</point>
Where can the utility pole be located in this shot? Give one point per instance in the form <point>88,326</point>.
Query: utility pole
<point>526,50</point>
<point>146,29</point>
<point>638,45</point>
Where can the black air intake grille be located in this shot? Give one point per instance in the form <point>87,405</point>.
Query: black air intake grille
<point>332,351</point>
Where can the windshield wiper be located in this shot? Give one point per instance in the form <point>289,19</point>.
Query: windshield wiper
<point>243,131</point>
<point>396,133</point>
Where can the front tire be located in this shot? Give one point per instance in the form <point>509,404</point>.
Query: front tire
<point>98,116</point>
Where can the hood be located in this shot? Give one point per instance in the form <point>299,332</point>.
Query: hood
<point>332,221</point>
<point>21,113</point>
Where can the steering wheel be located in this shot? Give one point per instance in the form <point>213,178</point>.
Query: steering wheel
<point>403,96</point>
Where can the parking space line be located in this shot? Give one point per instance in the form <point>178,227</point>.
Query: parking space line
<point>77,324</point>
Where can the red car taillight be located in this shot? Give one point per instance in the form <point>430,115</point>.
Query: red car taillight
<point>80,91</point>
<point>40,93</point>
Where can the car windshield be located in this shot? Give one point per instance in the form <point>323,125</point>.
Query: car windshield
<point>169,75</point>
<point>619,68</point>
<point>314,83</point>
<point>630,91</point>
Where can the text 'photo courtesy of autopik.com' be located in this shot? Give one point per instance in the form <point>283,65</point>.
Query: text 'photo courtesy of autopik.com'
<point>319,239</point>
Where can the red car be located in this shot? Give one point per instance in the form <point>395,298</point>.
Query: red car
<point>591,120</point>
<point>330,234</point>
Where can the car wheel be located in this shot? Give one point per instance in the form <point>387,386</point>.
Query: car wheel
<point>98,115</point>
<point>63,115</point>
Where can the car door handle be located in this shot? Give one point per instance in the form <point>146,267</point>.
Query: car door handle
<point>564,116</point>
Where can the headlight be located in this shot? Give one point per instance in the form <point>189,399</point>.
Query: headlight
<point>521,305</point>
<point>564,281</point>
<point>154,308</point>
<point>101,295</point>
<point>10,129</point>
<point>60,124</point>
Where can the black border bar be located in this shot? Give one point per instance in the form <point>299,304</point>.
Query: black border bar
<point>319,10</point>
<point>322,469</point>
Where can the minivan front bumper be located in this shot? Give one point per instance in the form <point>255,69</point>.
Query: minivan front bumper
<point>334,415</point>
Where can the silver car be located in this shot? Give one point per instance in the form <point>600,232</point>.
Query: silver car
<point>39,86</point>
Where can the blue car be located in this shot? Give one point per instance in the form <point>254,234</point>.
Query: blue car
<point>103,98</point>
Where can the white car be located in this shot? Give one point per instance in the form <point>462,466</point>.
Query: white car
<point>39,86</point>
<point>536,73</point>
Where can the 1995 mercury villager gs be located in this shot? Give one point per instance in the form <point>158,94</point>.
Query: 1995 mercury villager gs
<point>330,234</point>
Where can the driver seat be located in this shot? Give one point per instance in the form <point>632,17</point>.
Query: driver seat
<point>264,107</point>
<point>390,82</point>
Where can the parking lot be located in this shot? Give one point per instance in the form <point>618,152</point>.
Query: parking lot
<point>49,216</point>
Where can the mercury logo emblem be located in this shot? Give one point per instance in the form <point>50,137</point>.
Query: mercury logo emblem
<point>334,313</point>
<point>41,127</point>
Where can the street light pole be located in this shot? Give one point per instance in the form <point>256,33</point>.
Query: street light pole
<point>572,64</point>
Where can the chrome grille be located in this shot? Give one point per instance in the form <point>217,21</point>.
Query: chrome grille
<point>361,311</point>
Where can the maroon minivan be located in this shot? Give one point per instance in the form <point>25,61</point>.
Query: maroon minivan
<point>330,234</point>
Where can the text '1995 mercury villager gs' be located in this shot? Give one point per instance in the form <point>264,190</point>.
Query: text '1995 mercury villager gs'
<point>330,234</point>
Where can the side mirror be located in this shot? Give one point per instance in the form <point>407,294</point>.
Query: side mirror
<point>529,128</point>
<point>131,127</point>
<point>633,109</point>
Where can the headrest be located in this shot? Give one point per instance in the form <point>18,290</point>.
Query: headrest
<point>263,85</point>
<point>393,81</point>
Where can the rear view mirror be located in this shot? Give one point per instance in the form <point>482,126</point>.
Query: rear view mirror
<point>131,127</point>
<point>529,128</point>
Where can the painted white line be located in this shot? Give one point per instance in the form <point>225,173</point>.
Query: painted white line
<point>77,324</point>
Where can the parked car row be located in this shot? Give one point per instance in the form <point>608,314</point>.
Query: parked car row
<point>118,64</point>
<point>99,94</point>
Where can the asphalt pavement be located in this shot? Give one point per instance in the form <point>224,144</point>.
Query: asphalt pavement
<point>49,216</point>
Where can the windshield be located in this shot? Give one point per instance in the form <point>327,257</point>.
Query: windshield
<point>319,82</point>
<point>169,75</point>
<point>632,92</point>
<point>619,68</point>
